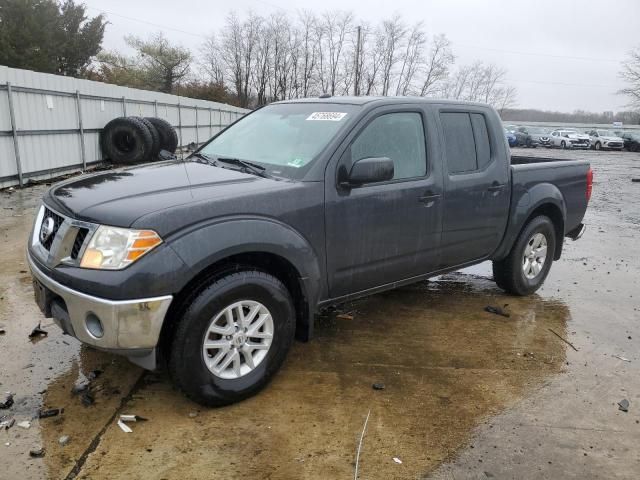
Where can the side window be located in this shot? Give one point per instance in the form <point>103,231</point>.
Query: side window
<point>481,134</point>
<point>398,136</point>
<point>459,143</point>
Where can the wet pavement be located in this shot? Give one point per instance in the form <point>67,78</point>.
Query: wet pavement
<point>468,394</point>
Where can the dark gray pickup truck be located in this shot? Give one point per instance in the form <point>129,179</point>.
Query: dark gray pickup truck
<point>218,261</point>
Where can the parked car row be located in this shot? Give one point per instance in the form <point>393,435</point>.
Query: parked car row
<point>571,138</point>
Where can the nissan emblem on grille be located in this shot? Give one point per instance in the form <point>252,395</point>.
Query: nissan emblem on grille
<point>46,229</point>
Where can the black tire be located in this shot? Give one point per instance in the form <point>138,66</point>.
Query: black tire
<point>155,150</point>
<point>126,140</point>
<point>597,146</point>
<point>186,361</point>
<point>168,134</point>
<point>563,144</point>
<point>508,273</point>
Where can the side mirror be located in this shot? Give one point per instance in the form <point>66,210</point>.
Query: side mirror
<point>371,170</point>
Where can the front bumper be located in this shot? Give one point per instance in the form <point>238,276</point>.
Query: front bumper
<point>129,327</point>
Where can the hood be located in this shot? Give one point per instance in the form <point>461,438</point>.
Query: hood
<point>582,136</point>
<point>119,197</point>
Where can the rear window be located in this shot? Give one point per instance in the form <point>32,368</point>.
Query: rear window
<point>467,144</point>
<point>458,141</point>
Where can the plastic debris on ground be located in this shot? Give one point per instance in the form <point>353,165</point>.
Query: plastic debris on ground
<point>7,401</point>
<point>63,440</point>
<point>37,452</point>
<point>51,412</point>
<point>620,357</point>
<point>397,460</point>
<point>623,405</point>
<point>378,386</point>
<point>38,332</point>
<point>26,424</point>
<point>124,419</point>
<point>6,423</point>
<point>124,427</point>
<point>496,311</point>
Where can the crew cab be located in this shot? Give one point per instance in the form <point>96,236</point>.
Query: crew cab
<point>605,139</point>
<point>218,261</point>
<point>569,139</point>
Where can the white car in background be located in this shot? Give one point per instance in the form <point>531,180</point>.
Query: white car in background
<point>569,138</point>
<point>605,139</point>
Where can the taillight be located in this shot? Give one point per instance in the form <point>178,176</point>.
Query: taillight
<point>589,183</point>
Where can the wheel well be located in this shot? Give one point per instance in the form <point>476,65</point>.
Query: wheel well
<point>555,214</point>
<point>269,263</point>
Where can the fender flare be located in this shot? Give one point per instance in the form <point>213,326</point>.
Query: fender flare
<point>539,197</point>
<point>205,244</point>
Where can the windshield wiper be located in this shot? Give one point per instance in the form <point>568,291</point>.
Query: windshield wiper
<point>206,158</point>
<point>247,167</point>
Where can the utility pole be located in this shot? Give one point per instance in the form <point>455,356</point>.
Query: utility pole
<point>356,86</point>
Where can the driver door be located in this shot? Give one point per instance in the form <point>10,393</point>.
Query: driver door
<point>387,231</point>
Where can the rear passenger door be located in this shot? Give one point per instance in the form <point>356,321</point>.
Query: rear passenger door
<point>476,181</point>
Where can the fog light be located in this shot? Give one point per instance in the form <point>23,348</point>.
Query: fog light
<point>94,325</point>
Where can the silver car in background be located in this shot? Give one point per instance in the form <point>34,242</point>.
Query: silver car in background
<point>605,139</point>
<point>569,138</point>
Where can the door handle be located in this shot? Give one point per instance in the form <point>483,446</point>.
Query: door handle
<point>496,187</point>
<point>428,198</point>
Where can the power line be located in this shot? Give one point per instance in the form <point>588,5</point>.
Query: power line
<point>534,54</point>
<point>565,84</point>
<point>157,25</point>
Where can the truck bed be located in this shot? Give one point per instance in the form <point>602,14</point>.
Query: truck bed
<point>567,177</point>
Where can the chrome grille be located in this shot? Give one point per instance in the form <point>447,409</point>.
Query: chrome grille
<point>78,242</point>
<point>57,222</point>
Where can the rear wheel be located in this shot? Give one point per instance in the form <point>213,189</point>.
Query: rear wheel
<point>526,267</point>
<point>232,338</point>
<point>598,146</point>
<point>563,144</point>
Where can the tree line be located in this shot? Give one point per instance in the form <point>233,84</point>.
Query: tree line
<point>628,117</point>
<point>254,60</point>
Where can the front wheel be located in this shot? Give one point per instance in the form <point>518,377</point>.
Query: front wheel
<point>598,146</point>
<point>526,267</point>
<point>232,338</point>
<point>563,144</point>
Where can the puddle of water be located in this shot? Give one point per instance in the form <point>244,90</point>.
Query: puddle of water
<point>445,363</point>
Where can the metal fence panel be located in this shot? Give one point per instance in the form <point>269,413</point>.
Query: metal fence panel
<point>7,163</point>
<point>56,119</point>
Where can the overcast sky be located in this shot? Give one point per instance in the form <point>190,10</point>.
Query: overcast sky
<point>561,55</point>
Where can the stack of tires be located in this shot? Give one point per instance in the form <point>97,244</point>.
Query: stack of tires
<point>129,140</point>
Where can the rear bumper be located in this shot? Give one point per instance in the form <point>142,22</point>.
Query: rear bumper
<point>577,232</point>
<point>127,327</point>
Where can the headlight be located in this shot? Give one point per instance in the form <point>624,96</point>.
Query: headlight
<point>113,248</point>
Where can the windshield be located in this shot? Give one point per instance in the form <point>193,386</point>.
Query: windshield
<point>284,138</point>
<point>538,130</point>
<point>606,133</point>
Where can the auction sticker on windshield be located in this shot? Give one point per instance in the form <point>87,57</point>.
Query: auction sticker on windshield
<point>327,116</point>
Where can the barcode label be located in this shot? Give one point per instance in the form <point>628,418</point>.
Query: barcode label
<point>327,116</point>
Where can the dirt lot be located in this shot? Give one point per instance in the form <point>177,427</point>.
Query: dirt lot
<point>468,394</point>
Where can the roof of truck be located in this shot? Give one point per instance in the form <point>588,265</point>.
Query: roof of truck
<point>377,99</point>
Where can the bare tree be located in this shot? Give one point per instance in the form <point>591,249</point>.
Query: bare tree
<point>309,51</point>
<point>335,28</point>
<point>262,59</point>
<point>437,65</point>
<point>394,32</point>
<point>412,59</point>
<point>210,60</point>
<point>630,73</point>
